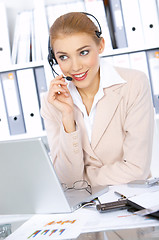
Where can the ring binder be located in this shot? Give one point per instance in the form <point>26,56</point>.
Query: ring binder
<point>12,103</point>
<point>132,21</point>
<point>118,23</point>
<point>29,99</point>
<point>4,130</point>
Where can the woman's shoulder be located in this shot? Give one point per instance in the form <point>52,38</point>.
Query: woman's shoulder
<point>133,77</point>
<point>128,73</point>
<point>137,83</point>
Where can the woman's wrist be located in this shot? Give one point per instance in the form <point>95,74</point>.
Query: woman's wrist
<point>69,123</point>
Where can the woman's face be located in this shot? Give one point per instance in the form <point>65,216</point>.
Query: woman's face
<point>78,57</point>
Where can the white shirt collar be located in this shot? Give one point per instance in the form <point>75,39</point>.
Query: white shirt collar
<point>108,75</point>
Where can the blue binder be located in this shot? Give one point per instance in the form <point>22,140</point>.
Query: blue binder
<point>41,85</point>
<point>118,23</point>
<point>153,66</point>
<point>12,103</point>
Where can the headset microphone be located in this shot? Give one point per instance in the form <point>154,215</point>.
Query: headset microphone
<point>51,56</point>
<point>68,78</point>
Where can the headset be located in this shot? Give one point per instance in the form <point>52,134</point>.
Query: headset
<point>51,57</point>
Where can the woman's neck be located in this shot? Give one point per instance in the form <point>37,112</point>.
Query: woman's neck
<point>88,94</point>
<point>91,90</point>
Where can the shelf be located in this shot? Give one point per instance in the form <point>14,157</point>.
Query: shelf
<point>13,67</point>
<point>120,51</point>
<point>24,136</point>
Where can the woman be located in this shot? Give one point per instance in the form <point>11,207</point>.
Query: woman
<point>100,125</point>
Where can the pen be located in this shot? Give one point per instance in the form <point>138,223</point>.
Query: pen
<point>120,195</point>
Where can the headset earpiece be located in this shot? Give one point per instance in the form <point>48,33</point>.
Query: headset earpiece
<point>98,34</point>
<point>51,57</point>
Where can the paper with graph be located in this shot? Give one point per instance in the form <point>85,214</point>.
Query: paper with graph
<point>52,226</point>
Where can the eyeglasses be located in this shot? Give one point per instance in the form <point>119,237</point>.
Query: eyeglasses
<point>78,185</point>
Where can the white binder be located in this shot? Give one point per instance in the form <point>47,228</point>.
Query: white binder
<point>36,37</point>
<point>4,128</point>
<point>12,103</point>
<point>121,60</point>
<point>150,22</point>
<point>96,7</point>
<point>29,99</point>
<point>54,11</point>
<point>138,61</point>
<point>50,15</point>
<point>16,39</point>
<point>118,23</point>
<point>76,6</point>
<point>153,61</point>
<point>24,37</point>
<point>132,21</point>
<point>58,9</point>
<point>5,51</point>
<point>42,27</point>
<point>33,44</point>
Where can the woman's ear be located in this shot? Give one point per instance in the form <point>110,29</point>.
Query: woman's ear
<point>101,45</point>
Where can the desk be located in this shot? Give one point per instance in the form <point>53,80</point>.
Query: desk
<point>131,234</point>
<point>115,225</point>
<point>10,223</point>
<point>147,233</point>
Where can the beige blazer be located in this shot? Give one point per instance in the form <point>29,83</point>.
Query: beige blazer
<point>121,145</point>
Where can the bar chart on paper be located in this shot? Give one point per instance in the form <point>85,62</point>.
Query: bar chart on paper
<point>46,227</point>
<point>53,229</point>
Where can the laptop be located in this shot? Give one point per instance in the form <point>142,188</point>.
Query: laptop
<point>29,184</point>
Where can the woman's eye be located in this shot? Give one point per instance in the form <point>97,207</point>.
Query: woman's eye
<point>85,52</point>
<point>63,57</point>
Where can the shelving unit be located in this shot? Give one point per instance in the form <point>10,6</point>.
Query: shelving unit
<point>13,7</point>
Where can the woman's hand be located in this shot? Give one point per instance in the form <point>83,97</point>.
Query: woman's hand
<point>60,97</point>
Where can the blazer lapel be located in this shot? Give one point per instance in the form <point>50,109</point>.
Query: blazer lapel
<point>105,110</point>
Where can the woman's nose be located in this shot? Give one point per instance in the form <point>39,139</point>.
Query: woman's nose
<point>76,65</point>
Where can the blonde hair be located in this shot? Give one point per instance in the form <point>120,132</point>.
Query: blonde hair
<point>73,22</point>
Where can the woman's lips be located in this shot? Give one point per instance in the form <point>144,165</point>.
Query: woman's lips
<point>80,77</point>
